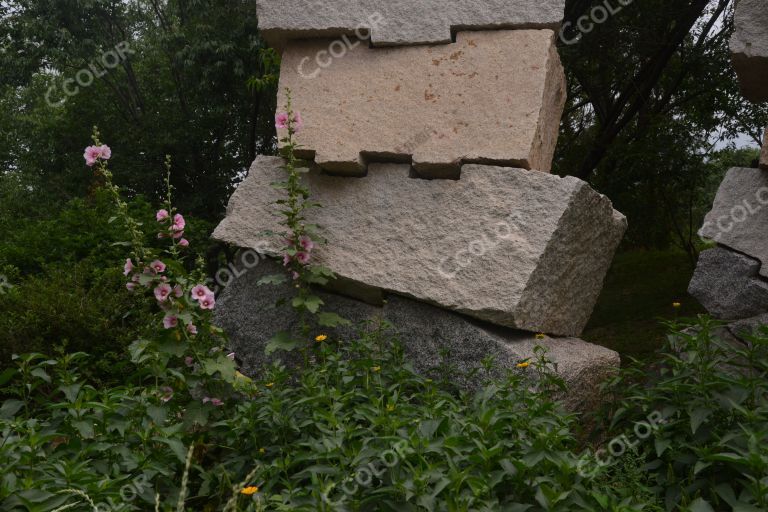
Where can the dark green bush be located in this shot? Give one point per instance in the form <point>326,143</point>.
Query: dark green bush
<point>710,394</point>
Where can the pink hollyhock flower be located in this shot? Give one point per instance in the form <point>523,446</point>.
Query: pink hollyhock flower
<point>177,235</point>
<point>303,257</point>
<point>208,302</point>
<point>192,330</point>
<point>281,121</point>
<point>184,242</point>
<point>170,321</point>
<point>213,401</point>
<point>130,286</point>
<point>167,394</point>
<point>128,268</point>
<point>135,278</point>
<point>286,260</point>
<point>162,215</point>
<point>91,155</point>
<point>306,243</point>
<point>295,275</point>
<point>178,222</point>
<point>189,360</point>
<point>298,122</point>
<point>200,292</point>
<point>158,266</point>
<point>106,152</point>
<point>162,292</point>
<point>178,291</point>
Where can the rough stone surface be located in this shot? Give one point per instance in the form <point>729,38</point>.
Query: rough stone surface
<point>764,153</point>
<point>749,48</point>
<point>518,248</point>
<point>432,338</point>
<point>739,215</point>
<point>728,285</point>
<point>400,22</point>
<point>492,98</point>
<point>748,326</point>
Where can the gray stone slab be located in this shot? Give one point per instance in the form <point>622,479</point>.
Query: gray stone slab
<point>433,338</point>
<point>739,215</point>
<point>400,22</point>
<point>727,284</point>
<point>517,248</point>
<point>749,48</point>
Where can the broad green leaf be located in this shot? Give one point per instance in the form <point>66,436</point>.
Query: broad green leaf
<point>282,341</point>
<point>10,408</point>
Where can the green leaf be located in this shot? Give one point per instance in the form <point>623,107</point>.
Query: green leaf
<point>313,303</point>
<point>85,428</point>
<point>41,374</point>
<point>10,408</point>
<point>698,416</point>
<point>661,445</point>
<point>700,505</point>
<point>71,391</point>
<point>176,446</point>
<point>7,375</point>
<point>272,279</point>
<point>282,341</point>
<point>327,319</point>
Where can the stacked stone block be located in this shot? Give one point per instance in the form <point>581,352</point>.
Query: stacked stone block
<point>731,280</point>
<point>429,147</point>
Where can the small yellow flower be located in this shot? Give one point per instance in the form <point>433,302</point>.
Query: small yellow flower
<point>376,368</point>
<point>540,336</point>
<point>524,365</point>
<point>248,491</point>
<point>390,407</point>
<point>269,384</point>
<point>676,305</point>
<point>321,338</point>
<point>262,451</point>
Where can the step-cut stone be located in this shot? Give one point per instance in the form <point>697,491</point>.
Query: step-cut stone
<point>764,153</point>
<point>517,248</point>
<point>749,48</point>
<point>739,215</point>
<point>492,97</point>
<point>399,22</point>
<point>432,338</point>
<point>728,285</point>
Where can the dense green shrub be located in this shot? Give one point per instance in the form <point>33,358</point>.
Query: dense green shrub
<point>64,287</point>
<point>711,396</point>
<point>357,429</point>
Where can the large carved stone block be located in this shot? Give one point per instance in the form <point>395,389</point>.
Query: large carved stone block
<point>492,97</point>
<point>400,22</point>
<point>749,48</point>
<point>739,215</point>
<point>517,248</point>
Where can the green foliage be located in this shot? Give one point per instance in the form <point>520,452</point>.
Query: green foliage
<point>181,90</point>
<point>356,412</point>
<point>712,395</point>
